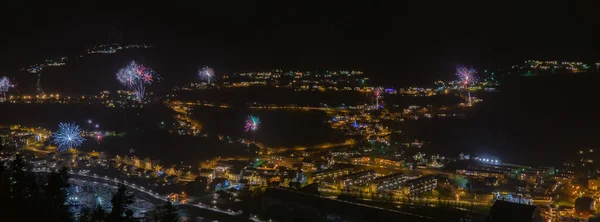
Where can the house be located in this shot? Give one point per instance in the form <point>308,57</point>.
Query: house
<point>147,163</point>
<point>168,171</point>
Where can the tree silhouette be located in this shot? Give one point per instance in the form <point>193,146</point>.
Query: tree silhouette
<point>55,196</point>
<point>167,213</point>
<point>119,202</point>
<point>97,215</point>
<point>22,191</point>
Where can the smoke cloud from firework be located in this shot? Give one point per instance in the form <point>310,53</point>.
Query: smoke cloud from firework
<point>68,136</point>
<point>135,76</point>
<point>206,74</point>
<point>251,123</point>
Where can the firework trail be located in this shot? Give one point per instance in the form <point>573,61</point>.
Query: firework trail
<point>68,136</point>
<point>251,123</point>
<point>206,74</point>
<point>38,85</point>
<point>135,77</point>
<point>5,85</point>
<point>140,91</point>
<point>466,76</point>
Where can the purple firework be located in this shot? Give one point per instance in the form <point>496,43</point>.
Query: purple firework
<point>135,77</point>
<point>466,75</point>
<point>251,123</point>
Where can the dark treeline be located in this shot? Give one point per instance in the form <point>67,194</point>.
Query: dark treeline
<point>29,196</point>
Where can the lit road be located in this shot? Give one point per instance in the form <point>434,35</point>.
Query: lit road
<point>156,199</point>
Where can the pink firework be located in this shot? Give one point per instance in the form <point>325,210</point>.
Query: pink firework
<point>466,75</point>
<point>135,77</point>
<point>377,92</point>
<point>135,73</point>
<point>144,73</point>
<point>251,123</point>
<point>98,136</point>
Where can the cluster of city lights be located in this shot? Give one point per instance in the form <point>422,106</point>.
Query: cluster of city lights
<point>488,160</point>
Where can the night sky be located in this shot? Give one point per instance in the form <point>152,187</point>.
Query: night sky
<point>397,44</point>
<point>391,42</point>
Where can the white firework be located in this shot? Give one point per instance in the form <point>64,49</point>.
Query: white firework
<point>206,74</point>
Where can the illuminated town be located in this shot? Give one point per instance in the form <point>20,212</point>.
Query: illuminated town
<point>370,166</point>
<point>141,132</point>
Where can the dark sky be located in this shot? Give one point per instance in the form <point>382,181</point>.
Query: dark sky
<point>389,40</point>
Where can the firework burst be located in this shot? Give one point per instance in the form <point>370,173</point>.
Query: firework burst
<point>377,93</point>
<point>135,77</point>
<point>5,85</point>
<point>251,123</point>
<point>206,74</point>
<point>98,136</point>
<point>68,136</point>
<point>466,75</point>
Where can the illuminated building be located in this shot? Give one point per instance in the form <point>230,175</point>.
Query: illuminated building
<point>388,182</point>
<point>355,179</point>
<point>308,167</point>
<point>387,162</point>
<point>361,160</point>
<point>480,173</point>
<point>283,161</point>
<point>331,173</point>
<point>593,184</point>
<point>419,185</point>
